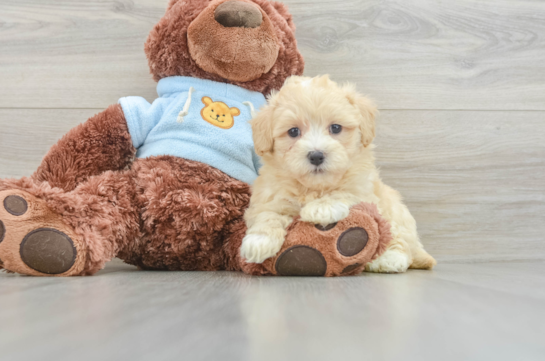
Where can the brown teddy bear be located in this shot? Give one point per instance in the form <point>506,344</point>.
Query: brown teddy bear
<point>165,185</point>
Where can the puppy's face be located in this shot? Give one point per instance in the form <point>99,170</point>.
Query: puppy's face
<point>314,130</point>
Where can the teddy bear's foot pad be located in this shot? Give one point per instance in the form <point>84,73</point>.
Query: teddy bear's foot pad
<point>304,260</point>
<point>49,251</point>
<point>301,261</point>
<point>33,239</point>
<point>2,231</point>
<point>15,205</point>
<point>352,241</point>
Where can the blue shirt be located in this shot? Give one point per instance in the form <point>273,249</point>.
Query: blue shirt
<point>215,130</point>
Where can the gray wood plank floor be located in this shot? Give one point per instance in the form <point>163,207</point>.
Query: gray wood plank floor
<point>492,311</point>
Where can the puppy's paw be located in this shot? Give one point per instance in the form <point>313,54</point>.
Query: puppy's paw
<point>324,212</point>
<point>256,248</point>
<point>391,261</point>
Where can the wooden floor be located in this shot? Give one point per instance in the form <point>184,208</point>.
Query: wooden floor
<point>492,311</point>
<point>461,134</point>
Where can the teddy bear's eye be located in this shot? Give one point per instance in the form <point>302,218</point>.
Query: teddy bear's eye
<point>212,110</point>
<point>223,115</point>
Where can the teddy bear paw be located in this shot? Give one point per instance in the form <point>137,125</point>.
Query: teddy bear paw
<point>341,248</point>
<point>33,240</point>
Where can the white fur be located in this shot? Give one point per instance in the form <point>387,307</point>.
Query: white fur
<point>256,248</point>
<point>391,261</point>
<point>289,185</point>
<point>324,211</point>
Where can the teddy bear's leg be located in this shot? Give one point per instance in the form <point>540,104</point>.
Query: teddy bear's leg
<point>47,232</point>
<point>340,249</point>
<point>189,211</point>
<point>100,144</point>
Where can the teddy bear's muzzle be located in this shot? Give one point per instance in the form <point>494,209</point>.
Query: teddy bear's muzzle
<point>233,39</point>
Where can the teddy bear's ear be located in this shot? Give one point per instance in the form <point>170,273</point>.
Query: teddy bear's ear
<point>207,101</point>
<point>262,128</point>
<point>284,12</point>
<point>368,111</point>
<point>235,112</point>
<point>171,3</point>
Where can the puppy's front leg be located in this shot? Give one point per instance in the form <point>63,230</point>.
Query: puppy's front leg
<point>328,209</point>
<point>265,236</point>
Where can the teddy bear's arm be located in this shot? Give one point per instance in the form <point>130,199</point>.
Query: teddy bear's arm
<point>100,144</point>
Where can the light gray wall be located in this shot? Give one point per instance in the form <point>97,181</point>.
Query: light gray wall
<point>460,85</point>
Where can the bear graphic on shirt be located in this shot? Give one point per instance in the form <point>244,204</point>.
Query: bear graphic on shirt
<point>219,113</point>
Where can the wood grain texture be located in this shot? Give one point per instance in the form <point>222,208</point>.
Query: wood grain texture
<point>422,54</point>
<point>27,134</point>
<point>430,54</point>
<point>476,312</point>
<point>474,180</point>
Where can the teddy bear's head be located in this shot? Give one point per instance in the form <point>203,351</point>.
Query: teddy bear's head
<point>249,43</point>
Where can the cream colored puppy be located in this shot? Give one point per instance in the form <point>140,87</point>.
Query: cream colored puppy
<point>315,139</point>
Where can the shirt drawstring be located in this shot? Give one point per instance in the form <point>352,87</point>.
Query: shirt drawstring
<point>252,108</point>
<point>185,110</point>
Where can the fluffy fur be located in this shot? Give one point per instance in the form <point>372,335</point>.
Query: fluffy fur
<point>162,212</point>
<point>102,143</point>
<point>239,54</point>
<point>289,185</point>
<point>157,213</point>
<point>168,52</point>
<point>363,215</point>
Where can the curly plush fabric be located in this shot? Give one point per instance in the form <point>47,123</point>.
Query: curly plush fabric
<point>102,143</point>
<point>168,53</point>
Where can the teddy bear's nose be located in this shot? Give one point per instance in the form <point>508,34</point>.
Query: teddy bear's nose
<point>238,14</point>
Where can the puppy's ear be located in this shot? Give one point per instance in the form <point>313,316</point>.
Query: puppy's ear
<point>296,79</point>
<point>320,81</point>
<point>368,111</point>
<point>262,129</point>
<point>323,81</point>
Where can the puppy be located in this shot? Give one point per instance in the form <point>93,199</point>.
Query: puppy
<point>315,142</point>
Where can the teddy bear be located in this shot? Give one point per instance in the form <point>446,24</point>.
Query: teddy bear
<point>164,185</point>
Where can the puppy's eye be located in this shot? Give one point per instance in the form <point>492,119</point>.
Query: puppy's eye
<point>294,132</point>
<point>336,128</point>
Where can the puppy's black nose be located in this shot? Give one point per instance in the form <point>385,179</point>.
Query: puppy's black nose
<point>316,157</point>
<point>238,14</point>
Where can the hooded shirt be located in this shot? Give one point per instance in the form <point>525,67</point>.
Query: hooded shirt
<point>200,120</point>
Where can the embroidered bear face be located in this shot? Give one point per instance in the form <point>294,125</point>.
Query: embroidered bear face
<point>219,113</point>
